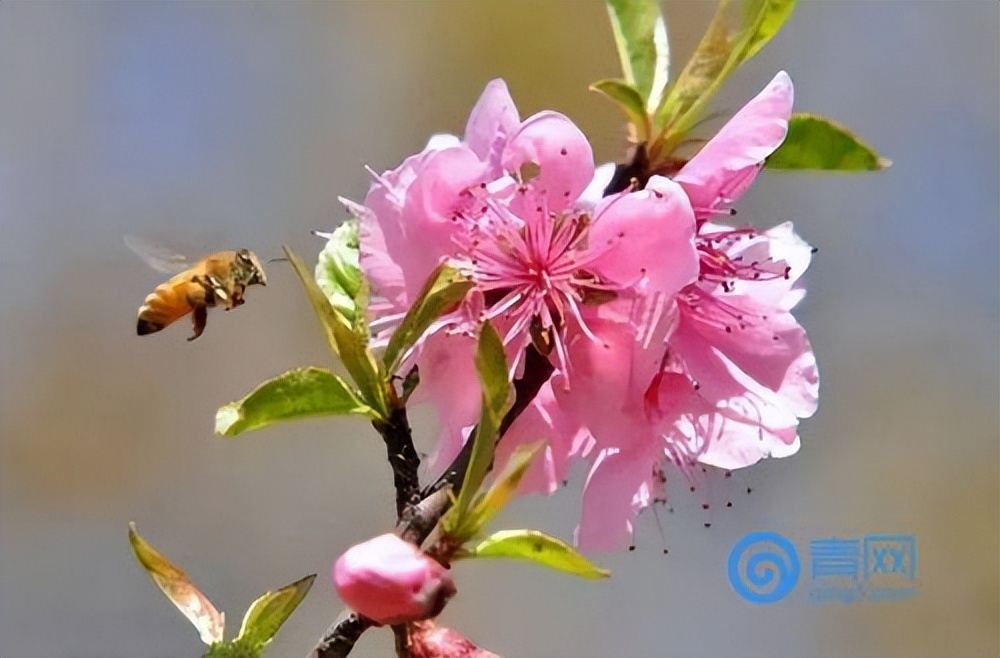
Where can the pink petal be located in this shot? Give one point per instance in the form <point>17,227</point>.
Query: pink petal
<point>449,383</point>
<point>563,156</point>
<point>601,383</point>
<point>594,191</point>
<point>543,419</point>
<point>800,389</point>
<point>652,234</point>
<point>762,341</point>
<point>382,234</point>
<point>704,364</point>
<point>428,215</point>
<point>491,123</point>
<point>744,142</point>
<point>673,396</point>
<point>616,480</point>
<point>744,444</point>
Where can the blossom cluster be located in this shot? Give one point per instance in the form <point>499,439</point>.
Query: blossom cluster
<point>670,333</point>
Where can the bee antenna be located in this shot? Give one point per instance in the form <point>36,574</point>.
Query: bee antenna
<point>276,260</point>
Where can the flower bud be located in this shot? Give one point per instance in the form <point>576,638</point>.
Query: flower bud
<point>391,581</point>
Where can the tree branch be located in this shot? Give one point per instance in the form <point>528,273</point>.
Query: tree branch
<point>340,638</point>
<point>403,457</point>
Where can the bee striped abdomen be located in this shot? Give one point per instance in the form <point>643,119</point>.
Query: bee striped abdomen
<point>165,305</point>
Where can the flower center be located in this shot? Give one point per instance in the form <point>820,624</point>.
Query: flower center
<point>717,266</point>
<point>532,272</point>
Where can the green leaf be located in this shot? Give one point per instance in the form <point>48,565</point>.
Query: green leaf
<point>234,649</point>
<point>504,486</point>
<point>348,340</point>
<point>770,17</point>
<point>628,98</point>
<point>172,580</point>
<point>739,29</point>
<point>325,312</point>
<point>267,614</point>
<point>537,547</point>
<point>297,393</point>
<point>491,364</point>
<point>817,143</point>
<point>641,40</point>
<point>337,270</point>
<point>364,368</point>
<point>442,292</point>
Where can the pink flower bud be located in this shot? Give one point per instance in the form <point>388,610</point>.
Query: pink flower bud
<point>391,581</point>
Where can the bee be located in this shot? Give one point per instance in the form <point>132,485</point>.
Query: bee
<point>218,279</point>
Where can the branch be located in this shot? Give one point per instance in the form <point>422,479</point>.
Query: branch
<point>403,457</point>
<point>340,638</point>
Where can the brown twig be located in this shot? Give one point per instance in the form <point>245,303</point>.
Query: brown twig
<point>403,457</point>
<point>340,638</point>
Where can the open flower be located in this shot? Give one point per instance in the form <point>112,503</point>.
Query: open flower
<point>503,205</point>
<point>671,336</point>
<point>732,372</point>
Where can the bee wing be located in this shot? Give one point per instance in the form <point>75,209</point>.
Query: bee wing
<point>159,258</point>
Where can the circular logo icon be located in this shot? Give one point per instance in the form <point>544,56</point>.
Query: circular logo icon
<point>764,567</point>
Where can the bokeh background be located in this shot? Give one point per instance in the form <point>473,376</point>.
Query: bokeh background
<point>238,124</point>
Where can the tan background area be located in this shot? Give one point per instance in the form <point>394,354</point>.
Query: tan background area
<point>233,124</point>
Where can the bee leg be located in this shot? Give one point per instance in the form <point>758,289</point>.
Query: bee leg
<point>237,298</point>
<point>199,317</point>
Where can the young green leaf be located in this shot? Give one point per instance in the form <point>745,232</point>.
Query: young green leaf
<point>325,312</point>
<point>739,29</point>
<point>628,98</point>
<point>348,340</point>
<point>172,580</point>
<point>366,370</point>
<point>442,292</point>
<point>337,270</point>
<point>267,614</point>
<point>771,16</point>
<point>491,364</point>
<point>234,649</point>
<point>537,547</point>
<point>818,143</point>
<point>641,40</point>
<point>297,393</point>
<point>504,486</point>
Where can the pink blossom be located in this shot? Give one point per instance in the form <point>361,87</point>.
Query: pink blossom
<point>671,336</point>
<point>504,206</point>
<point>729,375</point>
<point>391,581</point>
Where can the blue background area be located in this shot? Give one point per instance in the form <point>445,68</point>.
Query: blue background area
<point>238,124</point>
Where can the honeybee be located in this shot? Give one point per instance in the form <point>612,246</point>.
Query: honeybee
<point>218,279</point>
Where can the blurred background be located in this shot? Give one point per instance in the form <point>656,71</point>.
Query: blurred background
<point>222,125</point>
